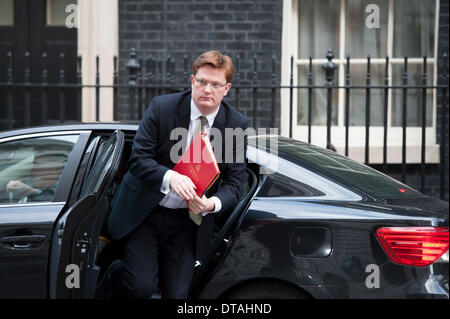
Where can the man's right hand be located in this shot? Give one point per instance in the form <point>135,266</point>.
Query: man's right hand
<point>183,186</point>
<point>20,188</point>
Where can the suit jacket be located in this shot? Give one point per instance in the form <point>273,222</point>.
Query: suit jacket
<point>139,192</point>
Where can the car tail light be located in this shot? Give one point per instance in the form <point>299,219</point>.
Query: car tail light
<point>413,246</point>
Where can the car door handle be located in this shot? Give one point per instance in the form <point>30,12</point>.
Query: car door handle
<point>22,241</point>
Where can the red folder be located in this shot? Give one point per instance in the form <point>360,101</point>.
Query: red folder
<point>199,164</point>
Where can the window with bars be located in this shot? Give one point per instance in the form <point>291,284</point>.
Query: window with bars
<point>407,28</point>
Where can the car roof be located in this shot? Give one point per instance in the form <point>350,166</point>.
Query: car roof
<point>125,126</point>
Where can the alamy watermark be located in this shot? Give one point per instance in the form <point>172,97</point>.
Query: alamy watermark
<point>73,277</point>
<point>373,279</point>
<point>72,17</point>
<point>373,19</point>
<point>230,148</point>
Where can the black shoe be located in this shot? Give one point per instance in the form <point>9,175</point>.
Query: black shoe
<point>105,287</point>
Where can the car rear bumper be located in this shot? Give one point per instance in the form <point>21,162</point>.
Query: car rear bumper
<point>395,282</point>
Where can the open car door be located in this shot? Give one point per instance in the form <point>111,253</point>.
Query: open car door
<point>73,272</point>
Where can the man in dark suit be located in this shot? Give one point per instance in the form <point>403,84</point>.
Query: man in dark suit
<point>149,206</point>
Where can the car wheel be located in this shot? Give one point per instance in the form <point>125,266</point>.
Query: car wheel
<point>268,290</point>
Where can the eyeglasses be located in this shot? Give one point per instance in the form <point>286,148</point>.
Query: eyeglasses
<point>214,85</point>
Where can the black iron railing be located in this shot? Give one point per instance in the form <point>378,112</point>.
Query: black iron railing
<point>148,77</point>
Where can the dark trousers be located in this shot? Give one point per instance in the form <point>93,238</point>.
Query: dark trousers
<point>162,249</point>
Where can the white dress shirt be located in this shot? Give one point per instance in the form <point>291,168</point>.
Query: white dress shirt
<point>172,200</point>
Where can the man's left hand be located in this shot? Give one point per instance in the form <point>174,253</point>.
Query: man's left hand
<point>199,205</point>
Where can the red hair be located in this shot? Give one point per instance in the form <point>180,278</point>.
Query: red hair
<point>216,60</point>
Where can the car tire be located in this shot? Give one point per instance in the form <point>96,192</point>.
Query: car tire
<point>268,290</point>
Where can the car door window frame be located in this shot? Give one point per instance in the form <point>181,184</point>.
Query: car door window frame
<point>84,167</point>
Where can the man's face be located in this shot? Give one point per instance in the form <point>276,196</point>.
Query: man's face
<point>209,86</point>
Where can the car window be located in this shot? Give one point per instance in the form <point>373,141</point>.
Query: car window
<point>287,179</point>
<point>30,169</point>
<point>343,170</point>
<point>279,184</point>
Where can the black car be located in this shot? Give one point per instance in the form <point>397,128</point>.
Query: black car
<point>310,224</point>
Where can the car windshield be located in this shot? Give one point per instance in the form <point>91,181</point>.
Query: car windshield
<point>338,168</point>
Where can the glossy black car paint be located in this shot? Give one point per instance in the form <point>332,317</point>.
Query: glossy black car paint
<point>319,246</point>
<point>266,247</point>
